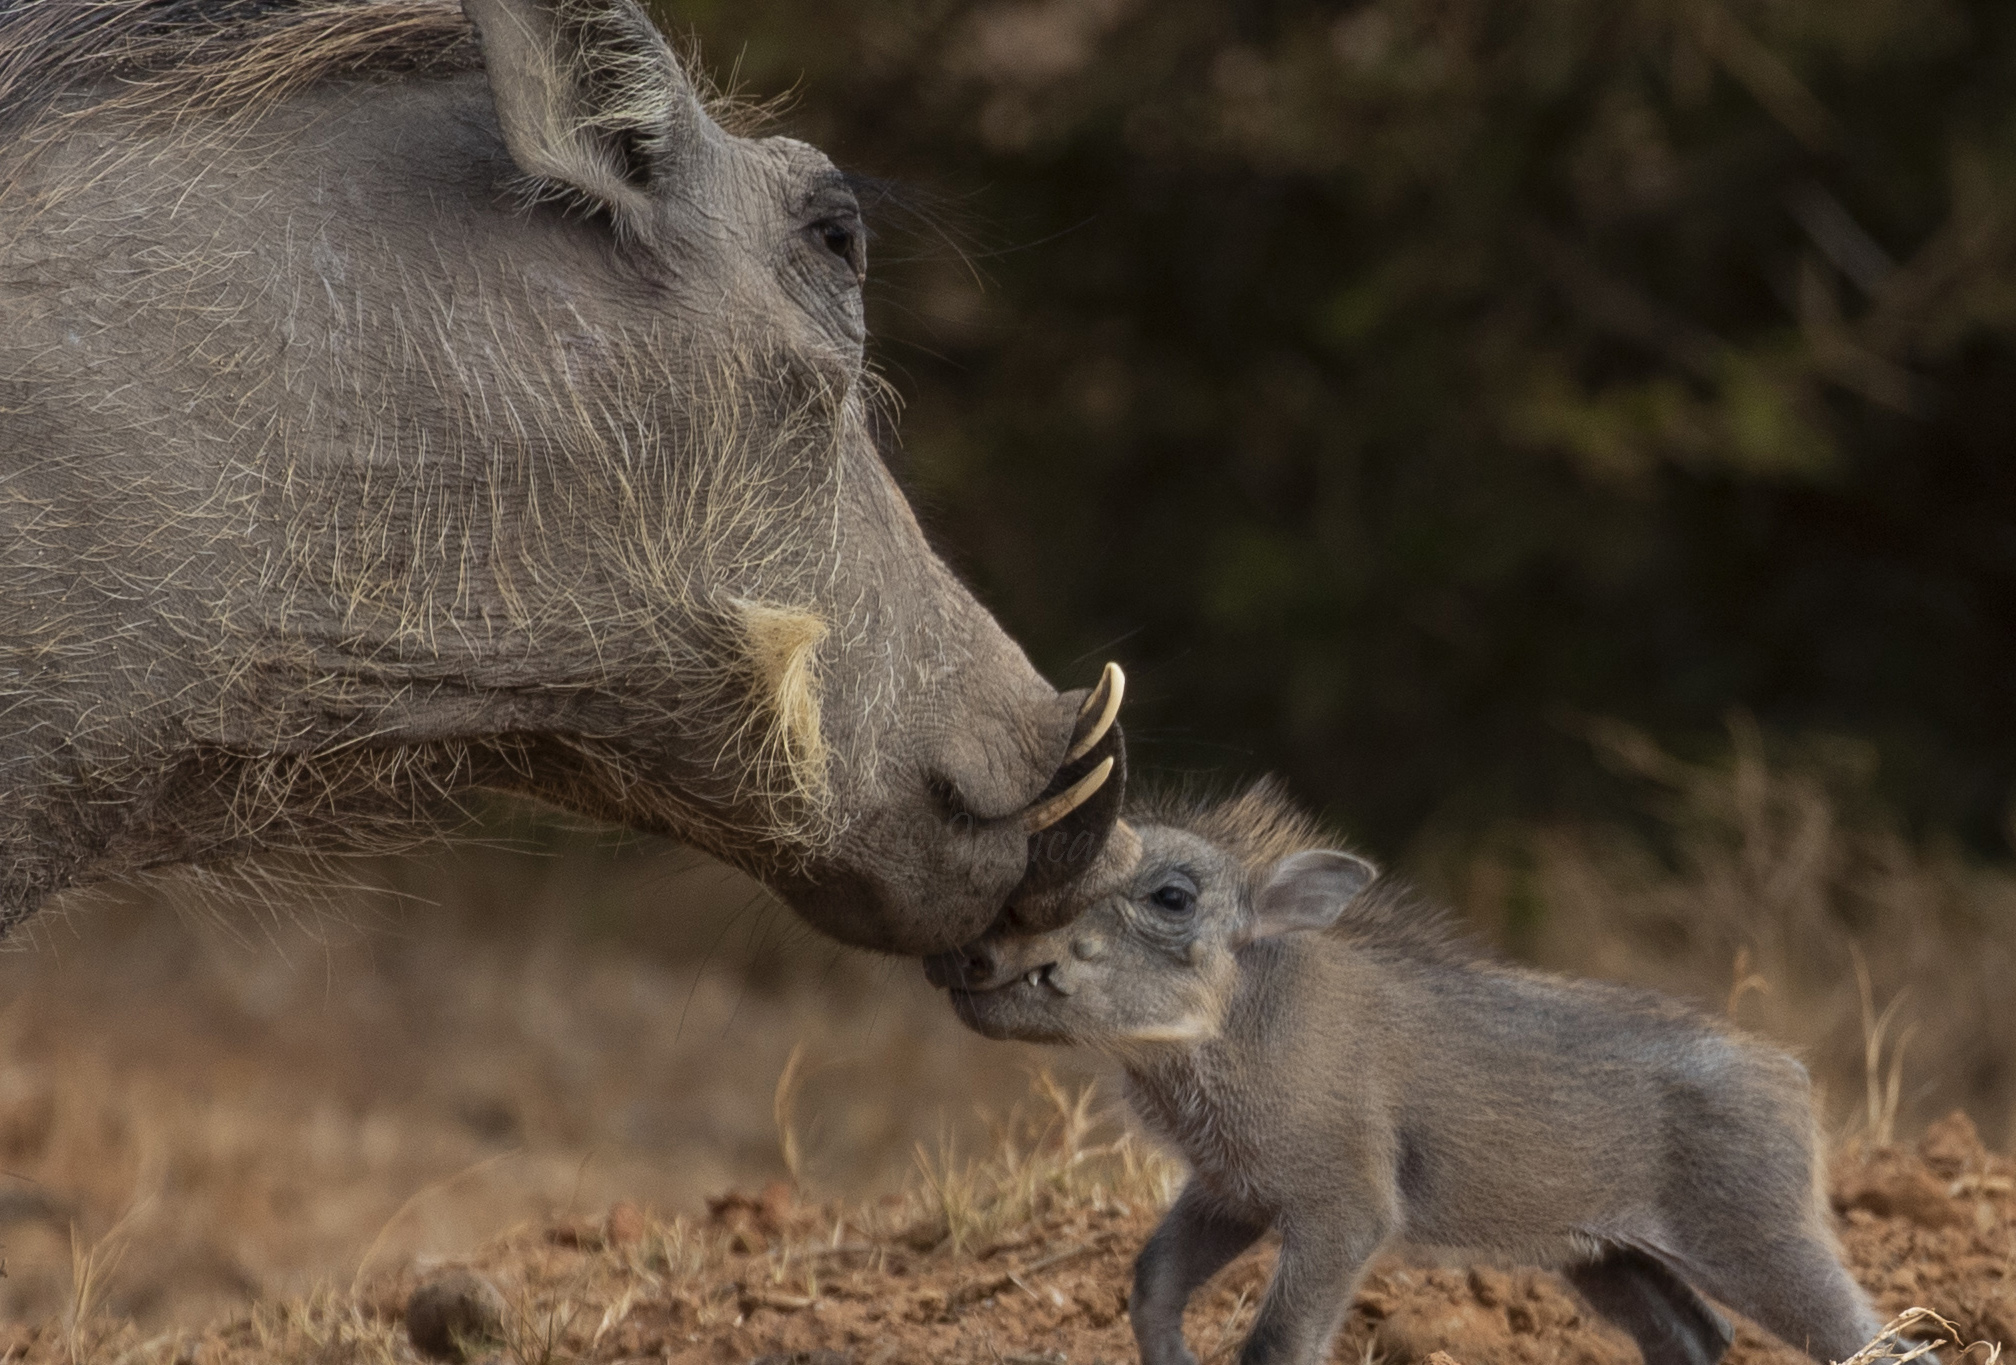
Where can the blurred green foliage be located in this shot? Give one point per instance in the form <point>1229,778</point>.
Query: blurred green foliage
<point>1395,386</point>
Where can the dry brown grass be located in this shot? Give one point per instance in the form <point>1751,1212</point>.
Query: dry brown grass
<point>1069,1155</point>
<point>230,1110</point>
<point>883,1282</point>
<point>1779,891</point>
<point>629,1286</point>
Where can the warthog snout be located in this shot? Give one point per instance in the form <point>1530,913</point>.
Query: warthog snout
<point>1019,800</point>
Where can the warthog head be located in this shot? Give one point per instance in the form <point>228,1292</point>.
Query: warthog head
<point>1150,957</point>
<point>396,404</point>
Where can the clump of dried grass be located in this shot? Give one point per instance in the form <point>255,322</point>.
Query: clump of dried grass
<point>1921,1334</point>
<point>1779,890</point>
<point>1063,1153</point>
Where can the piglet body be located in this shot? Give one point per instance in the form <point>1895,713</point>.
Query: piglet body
<point>1338,1069</point>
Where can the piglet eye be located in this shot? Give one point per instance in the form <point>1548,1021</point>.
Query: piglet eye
<point>1174,898</point>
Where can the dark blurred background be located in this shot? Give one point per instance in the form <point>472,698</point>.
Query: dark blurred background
<point>1397,386</point>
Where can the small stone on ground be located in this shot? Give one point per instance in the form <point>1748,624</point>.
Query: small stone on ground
<point>454,1313</point>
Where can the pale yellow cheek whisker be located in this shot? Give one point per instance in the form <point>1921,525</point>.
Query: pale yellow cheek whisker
<point>1190,1029</point>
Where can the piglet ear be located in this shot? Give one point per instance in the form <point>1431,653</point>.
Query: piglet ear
<point>1307,890</point>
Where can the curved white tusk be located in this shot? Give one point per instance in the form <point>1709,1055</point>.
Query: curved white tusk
<point>1103,704</point>
<point>1040,817</point>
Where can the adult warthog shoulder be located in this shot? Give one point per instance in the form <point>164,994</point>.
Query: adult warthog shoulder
<point>396,403</point>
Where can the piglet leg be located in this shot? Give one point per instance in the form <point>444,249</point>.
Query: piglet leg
<point>1196,1239</point>
<point>1669,1321</point>
<point>1323,1254</point>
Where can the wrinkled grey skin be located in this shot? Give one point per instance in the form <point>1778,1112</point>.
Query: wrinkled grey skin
<point>1337,1071</point>
<point>425,432</point>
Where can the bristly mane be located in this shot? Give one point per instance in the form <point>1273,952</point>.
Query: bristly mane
<point>217,54</point>
<point>238,57</point>
<point>1260,826</point>
<point>1263,824</point>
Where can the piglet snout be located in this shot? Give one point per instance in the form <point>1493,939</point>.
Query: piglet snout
<point>986,966</point>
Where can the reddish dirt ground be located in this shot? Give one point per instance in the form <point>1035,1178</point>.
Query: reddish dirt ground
<point>1933,1226</point>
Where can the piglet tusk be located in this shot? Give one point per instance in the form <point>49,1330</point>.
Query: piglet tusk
<point>1040,817</point>
<point>1100,707</point>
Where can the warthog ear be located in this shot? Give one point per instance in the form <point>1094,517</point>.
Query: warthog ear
<point>591,100</point>
<point>1307,890</point>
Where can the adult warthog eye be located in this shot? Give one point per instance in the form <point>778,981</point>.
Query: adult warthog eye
<point>1174,898</point>
<point>842,235</point>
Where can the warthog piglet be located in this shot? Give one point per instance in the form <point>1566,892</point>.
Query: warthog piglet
<point>1339,1068</point>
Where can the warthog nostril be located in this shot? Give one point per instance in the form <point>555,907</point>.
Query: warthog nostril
<point>961,969</point>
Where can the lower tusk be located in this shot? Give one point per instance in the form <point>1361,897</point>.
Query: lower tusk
<point>1101,707</point>
<point>1124,845</point>
<point>1035,977</point>
<point>1040,817</point>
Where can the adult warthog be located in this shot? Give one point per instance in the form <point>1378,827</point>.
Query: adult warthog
<point>396,403</point>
